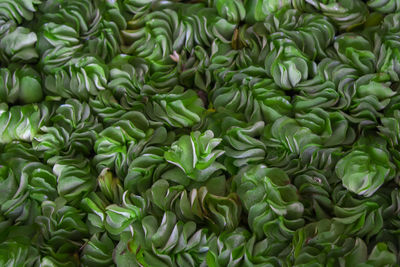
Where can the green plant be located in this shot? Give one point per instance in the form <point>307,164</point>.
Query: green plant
<point>199,133</point>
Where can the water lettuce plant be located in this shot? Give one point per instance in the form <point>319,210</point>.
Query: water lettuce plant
<point>221,133</point>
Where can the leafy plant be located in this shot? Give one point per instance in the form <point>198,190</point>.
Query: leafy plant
<point>199,133</point>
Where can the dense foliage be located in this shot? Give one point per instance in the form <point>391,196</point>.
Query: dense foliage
<point>199,133</point>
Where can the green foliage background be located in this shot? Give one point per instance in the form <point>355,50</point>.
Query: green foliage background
<point>214,133</point>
